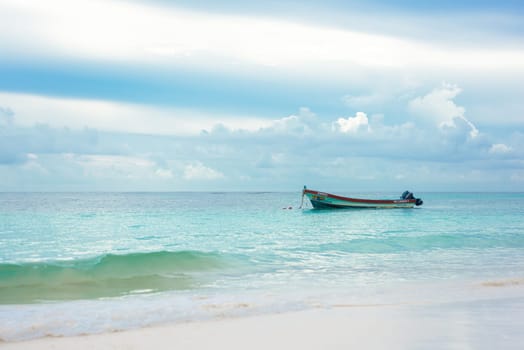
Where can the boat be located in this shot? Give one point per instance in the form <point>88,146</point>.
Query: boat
<point>323,200</point>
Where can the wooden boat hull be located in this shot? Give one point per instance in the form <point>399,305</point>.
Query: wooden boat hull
<point>322,200</point>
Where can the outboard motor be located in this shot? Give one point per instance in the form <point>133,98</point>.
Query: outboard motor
<point>409,195</point>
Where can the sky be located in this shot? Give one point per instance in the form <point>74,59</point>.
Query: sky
<point>356,96</point>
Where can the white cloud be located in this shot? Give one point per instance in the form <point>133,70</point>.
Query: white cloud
<point>438,104</point>
<point>359,101</point>
<point>261,159</point>
<point>131,32</point>
<point>439,107</point>
<point>164,173</point>
<point>114,166</point>
<point>198,171</point>
<point>30,110</point>
<point>352,124</point>
<point>6,117</point>
<point>500,148</point>
<point>168,40</point>
<point>290,123</point>
<point>270,160</point>
<point>303,123</point>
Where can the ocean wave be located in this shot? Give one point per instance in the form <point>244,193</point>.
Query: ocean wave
<point>109,275</point>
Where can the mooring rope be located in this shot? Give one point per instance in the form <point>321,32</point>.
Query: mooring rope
<point>303,194</point>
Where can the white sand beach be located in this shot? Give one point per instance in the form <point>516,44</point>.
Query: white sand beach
<point>480,324</point>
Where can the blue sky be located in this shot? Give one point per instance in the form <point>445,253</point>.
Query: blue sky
<point>227,95</point>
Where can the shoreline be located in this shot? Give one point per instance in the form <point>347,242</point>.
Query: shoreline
<point>478,324</point>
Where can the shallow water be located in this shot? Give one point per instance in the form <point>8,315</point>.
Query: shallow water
<point>93,262</point>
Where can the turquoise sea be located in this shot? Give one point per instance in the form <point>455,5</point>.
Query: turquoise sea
<point>80,263</point>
